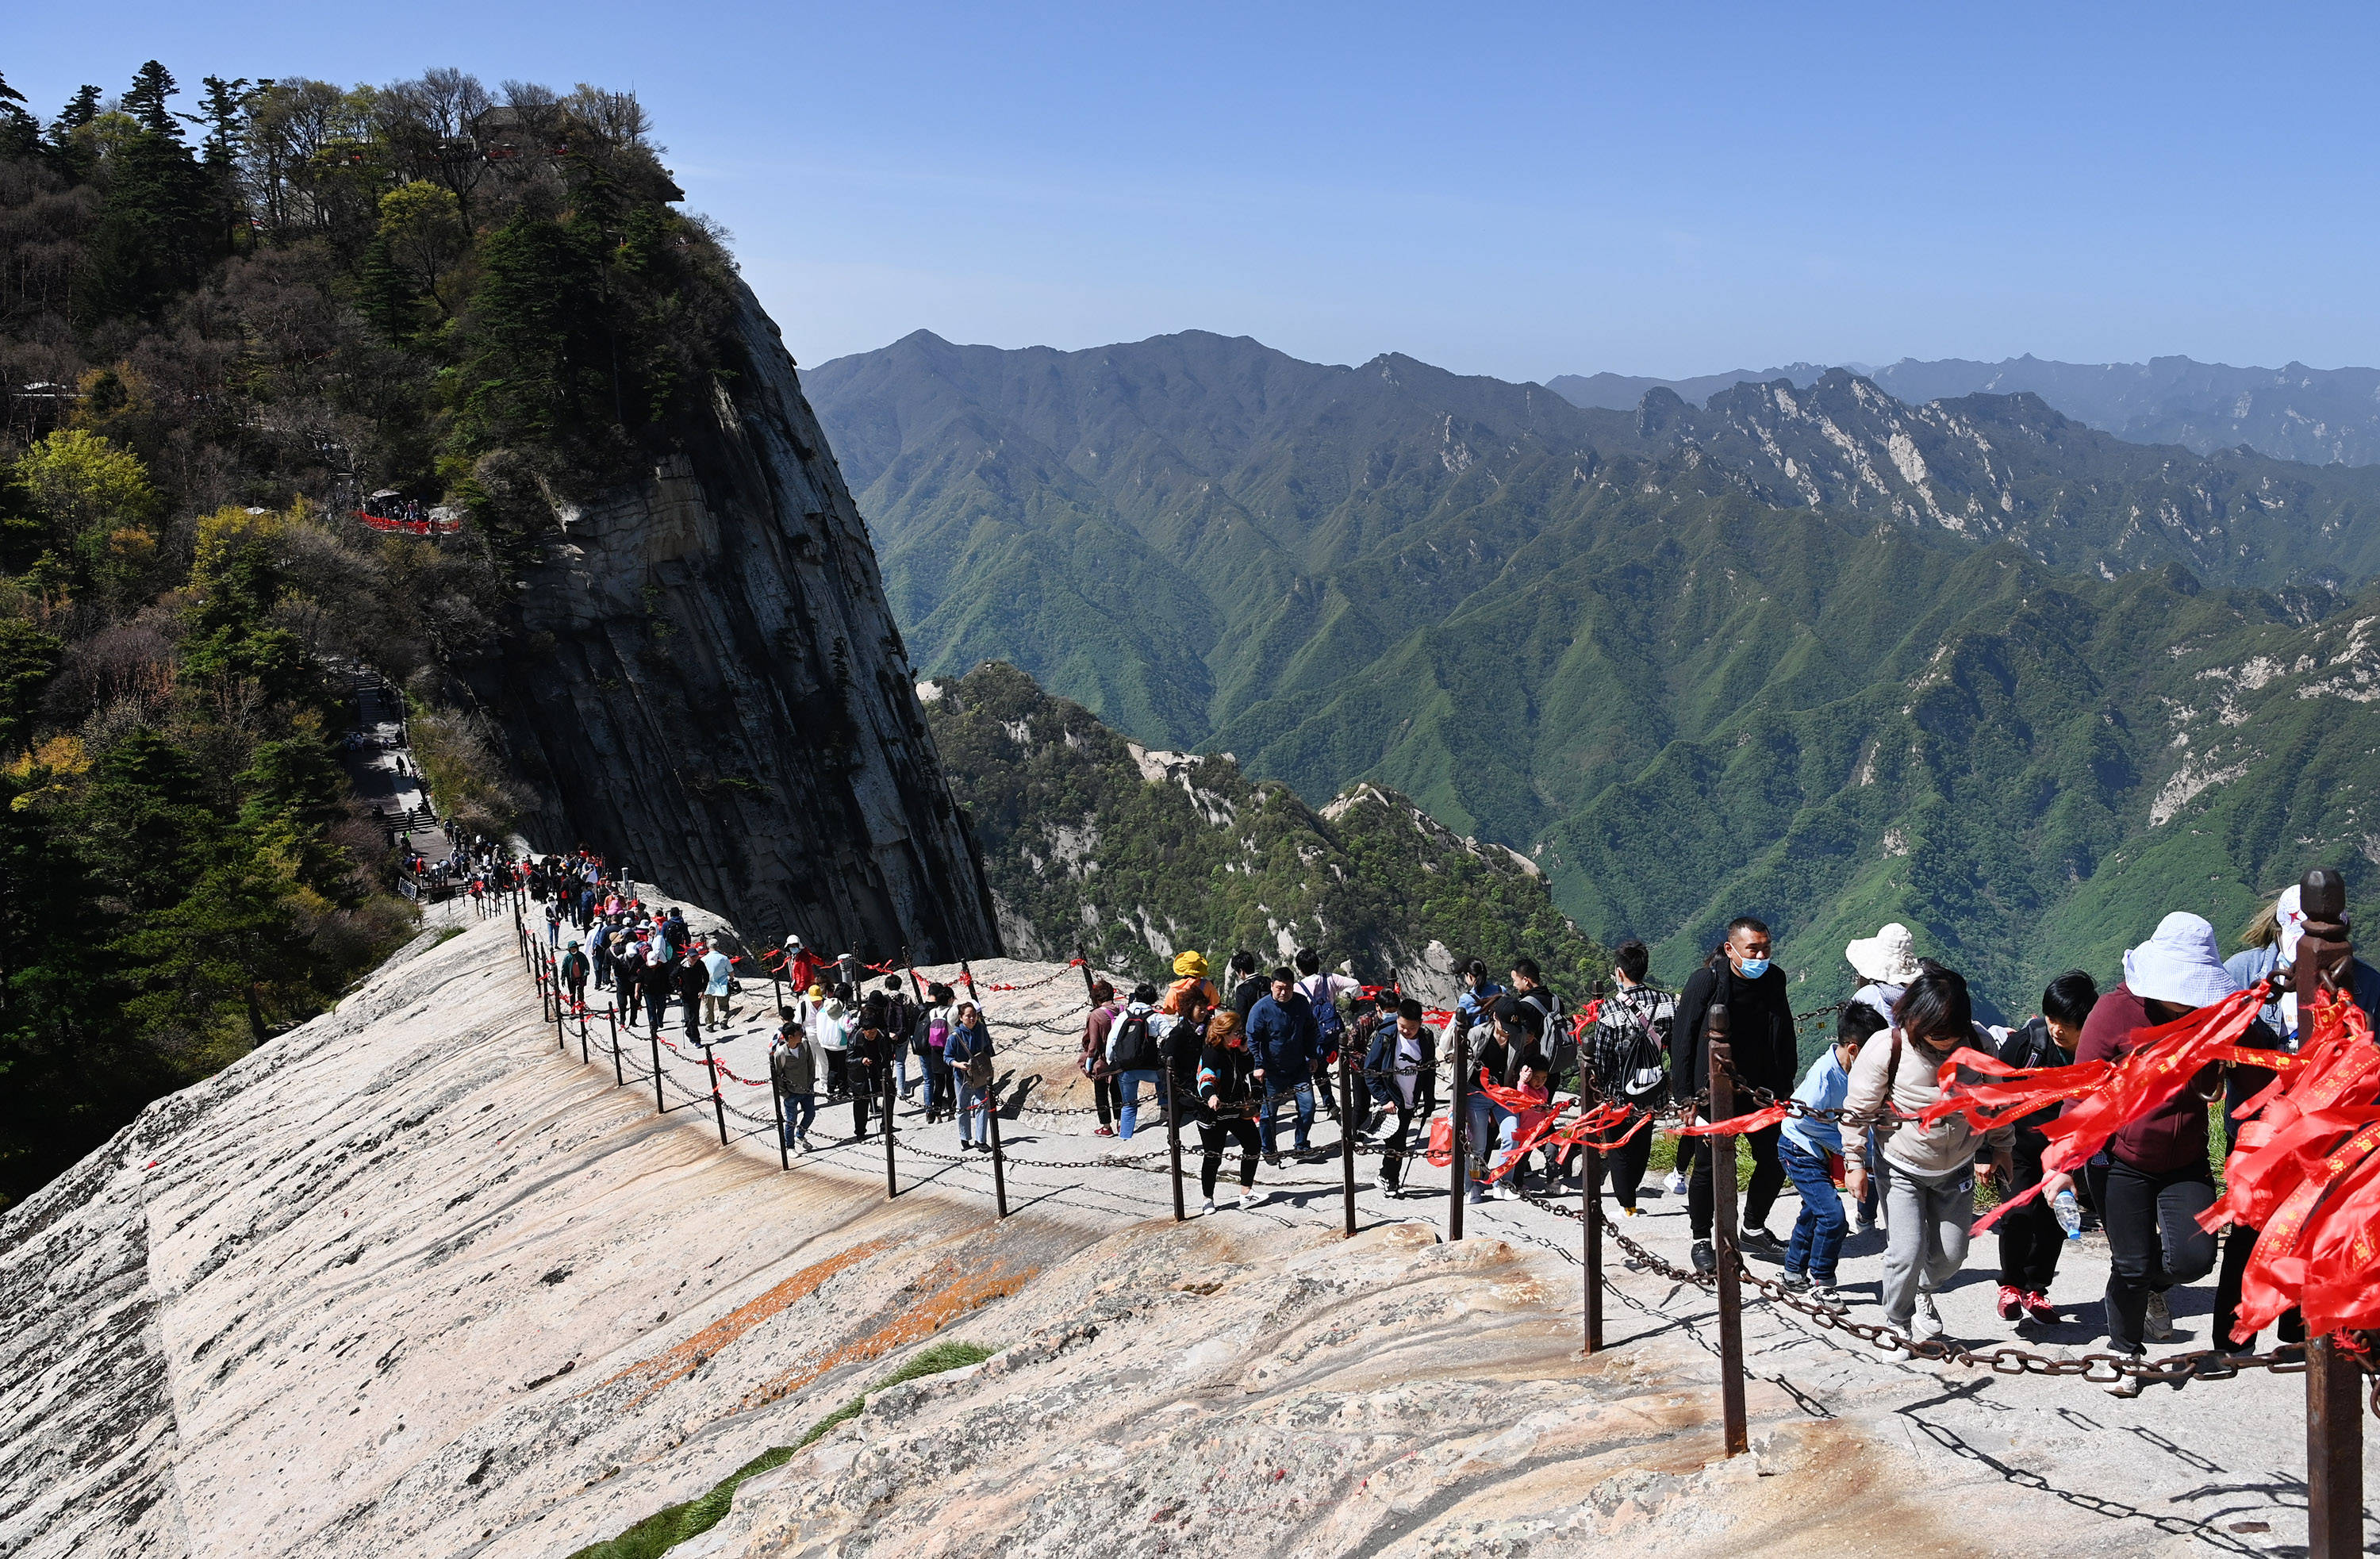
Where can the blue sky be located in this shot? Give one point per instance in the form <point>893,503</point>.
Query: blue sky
<point>1522,191</point>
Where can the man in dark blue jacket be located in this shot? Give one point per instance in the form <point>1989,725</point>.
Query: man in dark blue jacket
<point>1286,1045</point>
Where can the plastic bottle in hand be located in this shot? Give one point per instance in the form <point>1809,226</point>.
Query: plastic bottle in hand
<point>2069,1213</point>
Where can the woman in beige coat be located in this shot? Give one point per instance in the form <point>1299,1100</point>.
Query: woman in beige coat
<point>1930,1199</point>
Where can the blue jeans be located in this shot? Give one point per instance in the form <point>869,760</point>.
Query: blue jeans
<point>1304,1094</point>
<point>903,1062</point>
<point>1489,1131</point>
<point>1128,1089</point>
<point>795,1110</point>
<point>972,1126</point>
<point>1818,1233</point>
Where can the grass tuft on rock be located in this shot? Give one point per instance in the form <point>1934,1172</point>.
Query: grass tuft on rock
<point>672,1524</point>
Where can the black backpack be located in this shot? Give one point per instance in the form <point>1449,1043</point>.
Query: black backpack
<point>1132,1048</point>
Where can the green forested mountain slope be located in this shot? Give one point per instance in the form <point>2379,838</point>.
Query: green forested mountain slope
<point>1093,841</point>
<point>1639,648</point>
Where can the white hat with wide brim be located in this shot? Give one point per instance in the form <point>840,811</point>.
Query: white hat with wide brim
<point>2178,964</point>
<point>1889,958</point>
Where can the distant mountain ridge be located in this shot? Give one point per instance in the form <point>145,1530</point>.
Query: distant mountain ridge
<point>1817,654</point>
<point>2314,414</point>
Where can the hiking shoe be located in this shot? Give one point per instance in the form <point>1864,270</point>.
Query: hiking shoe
<point>2011,1302</point>
<point>2038,1308</point>
<point>1926,1321</point>
<point>2159,1327</point>
<point>1794,1283</point>
<point>1705,1258</point>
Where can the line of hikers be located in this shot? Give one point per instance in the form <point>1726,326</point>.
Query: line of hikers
<point>1246,1061</point>
<point>1244,1065</point>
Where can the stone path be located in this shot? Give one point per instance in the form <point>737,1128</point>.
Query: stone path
<point>382,769</point>
<point>2219,1465</point>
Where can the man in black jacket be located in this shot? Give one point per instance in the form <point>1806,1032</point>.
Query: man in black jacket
<point>1760,1038</point>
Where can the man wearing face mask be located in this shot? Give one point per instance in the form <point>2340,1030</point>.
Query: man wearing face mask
<point>1740,975</point>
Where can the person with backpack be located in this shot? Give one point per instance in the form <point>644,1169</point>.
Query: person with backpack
<point>1812,1152</point>
<point>1740,975</point>
<point>829,1023</point>
<point>1105,1011</point>
<point>1226,1084</point>
<point>1182,1039</point>
<point>967,1048</point>
<point>1402,1065</point>
<point>2031,1236</point>
<point>656,982</point>
<point>1285,1049</point>
<point>794,1065</point>
<point>691,981</point>
<point>1324,991</point>
<point>1931,1198</point>
<point>1132,1059</point>
<point>1884,964</point>
<point>1625,1059</point>
<point>934,1029</point>
<point>574,975</point>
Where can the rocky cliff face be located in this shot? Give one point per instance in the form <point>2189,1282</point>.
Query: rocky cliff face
<point>711,689</point>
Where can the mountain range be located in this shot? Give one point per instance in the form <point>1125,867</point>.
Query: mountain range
<point>1809,652</point>
<point>1132,854</point>
<point>2317,414</point>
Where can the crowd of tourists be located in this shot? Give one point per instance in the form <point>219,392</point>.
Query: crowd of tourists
<point>1247,1053</point>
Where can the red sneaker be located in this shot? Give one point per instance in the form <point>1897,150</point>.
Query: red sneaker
<point>1104,1132</point>
<point>2011,1305</point>
<point>2039,1306</point>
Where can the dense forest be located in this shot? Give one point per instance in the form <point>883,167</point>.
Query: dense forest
<point>229,320</point>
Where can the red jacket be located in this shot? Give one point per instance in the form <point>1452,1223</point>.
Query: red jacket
<point>2171,1137</point>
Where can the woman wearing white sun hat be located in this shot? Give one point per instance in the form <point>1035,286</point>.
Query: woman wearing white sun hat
<point>1886,963</point>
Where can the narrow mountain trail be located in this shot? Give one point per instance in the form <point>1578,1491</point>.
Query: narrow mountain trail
<point>416,1278</point>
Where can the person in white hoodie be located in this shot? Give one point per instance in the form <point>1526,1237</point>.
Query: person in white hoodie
<point>1932,1193</point>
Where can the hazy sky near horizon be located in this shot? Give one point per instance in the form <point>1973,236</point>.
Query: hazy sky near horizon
<point>1523,190</point>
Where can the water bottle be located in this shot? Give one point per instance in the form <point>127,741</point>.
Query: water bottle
<point>2069,1214</point>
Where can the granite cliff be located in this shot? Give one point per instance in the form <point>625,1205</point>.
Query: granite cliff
<point>710,686</point>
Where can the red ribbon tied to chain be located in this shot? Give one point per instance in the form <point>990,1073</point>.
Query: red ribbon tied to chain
<point>2100,1097</point>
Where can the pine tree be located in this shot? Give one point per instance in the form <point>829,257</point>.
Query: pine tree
<point>145,100</point>
<point>19,132</point>
<point>80,110</point>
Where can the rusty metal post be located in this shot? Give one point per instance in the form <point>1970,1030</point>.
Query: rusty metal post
<point>658,1108</point>
<point>2334,1397</point>
<point>1347,1119</point>
<point>1457,1174</point>
<point>1173,1143</point>
<point>619,1074</point>
<point>1730,1293</point>
<point>579,1009</point>
<point>777,1103</point>
<point>891,1182</point>
<point>1590,1210</point>
<point>999,1161</point>
<point>717,1103</point>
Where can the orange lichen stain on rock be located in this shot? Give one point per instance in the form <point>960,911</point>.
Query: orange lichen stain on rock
<point>919,1320</point>
<point>677,1363</point>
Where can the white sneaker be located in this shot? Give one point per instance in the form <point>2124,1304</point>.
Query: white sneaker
<point>1247,1201</point>
<point>1506,1192</point>
<point>1676,1184</point>
<point>2158,1327</point>
<point>1209,1210</point>
<point>1926,1321</point>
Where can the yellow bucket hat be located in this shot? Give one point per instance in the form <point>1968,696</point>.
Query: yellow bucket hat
<point>1190,966</point>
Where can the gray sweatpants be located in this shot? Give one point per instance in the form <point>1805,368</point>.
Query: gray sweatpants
<point>1927,1227</point>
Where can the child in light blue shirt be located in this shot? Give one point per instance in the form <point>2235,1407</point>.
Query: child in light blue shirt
<point>1804,1148</point>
